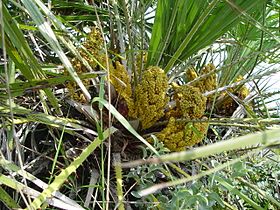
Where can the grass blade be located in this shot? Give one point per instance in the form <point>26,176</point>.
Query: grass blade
<point>62,177</point>
<point>266,138</point>
<point>124,122</point>
<point>49,35</point>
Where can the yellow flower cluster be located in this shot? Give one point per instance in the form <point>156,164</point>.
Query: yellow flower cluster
<point>141,60</point>
<point>243,91</point>
<point>206,84</point>
<point>195,132</point>
<point>226,104</point>
<point>191,74</point>
<point>118,74</point>
<point>177,135</point>
<point>173,135</point>
<point>210,82</point>
<point>73,88</point>
<point>150,97</point>
<point>190,104</point>
<point>94,47</point>
<point>120,79</point>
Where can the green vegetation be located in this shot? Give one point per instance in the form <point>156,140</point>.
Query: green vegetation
<point>139,104</point>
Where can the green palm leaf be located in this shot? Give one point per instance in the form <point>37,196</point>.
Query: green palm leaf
<point>192,25</point>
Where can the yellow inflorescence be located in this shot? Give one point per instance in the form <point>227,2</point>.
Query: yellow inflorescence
<point>228,104</point>
<point>141,60</point>
<point>243,91</point>
<point>150,97</point>
<point>73,87</point>
<point>191,74</point>
<point>210,82</point>
<point>94,47</point>
<point>120,79</point>
<point>172,135</point>
<point>195,132</point>
<point>190,102</point>
<point>206,84</point>
<point>177,135</point>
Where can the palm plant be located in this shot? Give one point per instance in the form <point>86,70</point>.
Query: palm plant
<point>85,84</point>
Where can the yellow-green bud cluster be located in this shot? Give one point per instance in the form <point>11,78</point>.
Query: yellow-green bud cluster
<point>94,46</point>
<point>150,97</point>
<point>177,135</point>
<point>210,82</point>
<point>120,79</point>
<point>191,74</point>
<point>190,105</point>
<point>241,92</point>
<point>206,84</point>
<point>190,102</point>
<point>149,100</point>
<point>226,105</point>
<point>141,60</point>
